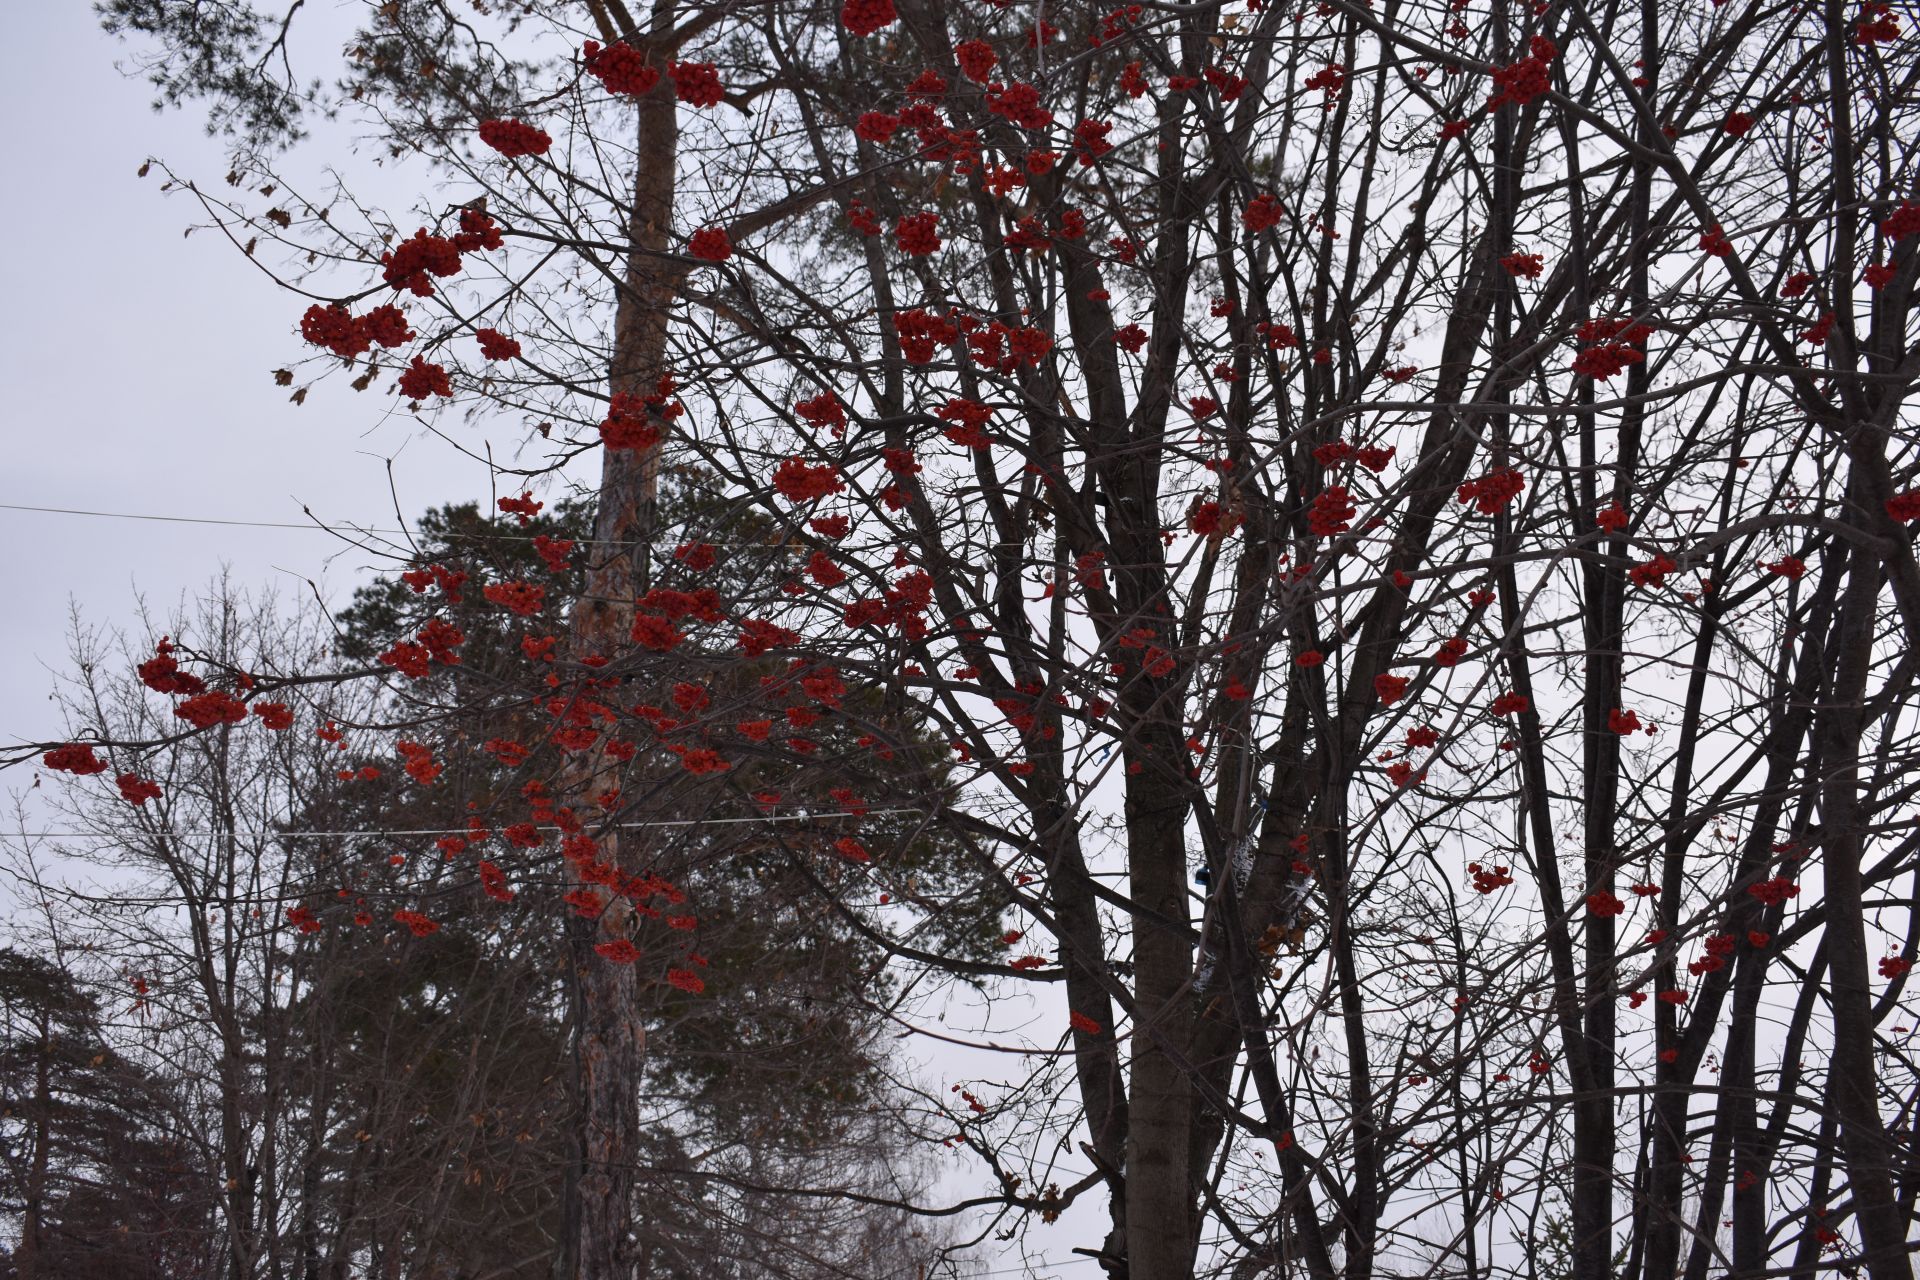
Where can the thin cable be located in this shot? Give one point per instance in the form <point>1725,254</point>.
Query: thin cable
<point>802,816</point>
<point>129,515</point>
<point>345,529</point>
<point>316,527</point>
<point>1029,1269</point>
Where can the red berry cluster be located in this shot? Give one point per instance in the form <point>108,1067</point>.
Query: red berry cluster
<point>710,244</point>
<point>864,17</point>
<point>697,84</point>
<point>513,138</point>
<point>1332,512</point>
<point>622,68</point>
<point>977,60</point>
<point>917,234</point>
<point>797,482</point>
<point>409,264</point>
<point>1491,493</point>
<point>1521,82</point>
<point>422,380</point>
<point>346,335</point>
<point>495,345</point>
<point>76,758</point>
<point>1489,879</point>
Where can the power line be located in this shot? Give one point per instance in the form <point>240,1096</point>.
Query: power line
<point>1029,1269</point>
<point>771,544</point>
<point>129,515</point>
<point>801,816</point>
<point>343,530</point>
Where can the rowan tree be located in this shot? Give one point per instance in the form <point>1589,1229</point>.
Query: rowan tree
<point>1398,517</point>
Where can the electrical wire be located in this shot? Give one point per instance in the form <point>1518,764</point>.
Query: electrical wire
<point>343,530</point>
<point>801,816</point>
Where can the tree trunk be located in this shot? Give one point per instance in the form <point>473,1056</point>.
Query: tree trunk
<point>1854,1085</point>
<point>610,1041</point>
<point>26,1256</point>
<point>1159,1209</point>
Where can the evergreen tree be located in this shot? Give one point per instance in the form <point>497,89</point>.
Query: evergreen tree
<point>103,1184</point>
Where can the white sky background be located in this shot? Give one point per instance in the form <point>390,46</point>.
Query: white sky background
<point>138,372</point>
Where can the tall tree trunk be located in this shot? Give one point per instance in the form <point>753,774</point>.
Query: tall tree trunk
<point>1159,1209</point>
<point>1853,1082</point>
<point>610,1041</point>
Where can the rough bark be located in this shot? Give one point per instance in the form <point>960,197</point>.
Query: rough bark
<point>610,1041</point>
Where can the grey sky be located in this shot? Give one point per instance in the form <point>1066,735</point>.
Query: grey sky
<point>138,371</point>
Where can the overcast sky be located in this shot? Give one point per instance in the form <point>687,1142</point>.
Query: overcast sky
<point>138,368</point>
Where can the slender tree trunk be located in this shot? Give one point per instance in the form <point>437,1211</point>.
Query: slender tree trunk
<point>1854,1084</point>
<point>26,1256</point>
<point>240,1173</point>
<point>1595,1119</point>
